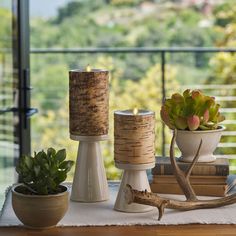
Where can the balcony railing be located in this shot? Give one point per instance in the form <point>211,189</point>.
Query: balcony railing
<point>163,52</point>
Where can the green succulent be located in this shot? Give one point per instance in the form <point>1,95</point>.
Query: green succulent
<point>191,110</point>
<point>43,173</point>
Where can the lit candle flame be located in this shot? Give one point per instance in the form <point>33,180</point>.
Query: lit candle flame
<point>135,111</point>
<point>88,68</point>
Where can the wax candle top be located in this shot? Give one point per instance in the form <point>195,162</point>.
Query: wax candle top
<point>140,112</point>
<point>85,70</point>
<point>88,68</point>
<point>135,111</point>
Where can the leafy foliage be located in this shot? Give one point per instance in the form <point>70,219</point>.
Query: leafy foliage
<point>5,29</point>
<point>135,78</point>
<point>43,173</point>
<point>191,111</point>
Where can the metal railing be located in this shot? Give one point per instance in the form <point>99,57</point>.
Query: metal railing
<point>162,52</point>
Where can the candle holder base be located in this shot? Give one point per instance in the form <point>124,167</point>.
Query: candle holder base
<point>89,183</point>
<point>136,176</point>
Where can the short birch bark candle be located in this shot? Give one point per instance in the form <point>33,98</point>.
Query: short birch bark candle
<point>88,102</point>
<point>134,137</point>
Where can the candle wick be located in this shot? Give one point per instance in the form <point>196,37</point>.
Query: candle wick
<point>135,111</point>
<point>88,68</point>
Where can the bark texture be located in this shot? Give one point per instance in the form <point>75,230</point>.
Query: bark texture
<point>88,102</point>
<point>134,137</point>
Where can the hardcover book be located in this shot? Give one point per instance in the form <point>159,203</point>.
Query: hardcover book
<point>200,190</point>
<point>219,190</point>
<point>220,167</point>
<point>195,179</point>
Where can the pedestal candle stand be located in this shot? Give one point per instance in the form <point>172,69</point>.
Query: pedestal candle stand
<point>136,176</point>
<point>89,106</point>
<point>90,183</point>
<point>134,153</point>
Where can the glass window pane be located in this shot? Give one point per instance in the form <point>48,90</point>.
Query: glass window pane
<point>8,99</point>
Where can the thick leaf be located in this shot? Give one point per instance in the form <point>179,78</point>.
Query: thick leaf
<point>61,176</point>
<point>36,170</point>
<point>52,184</point>
<point>213,111</point>
<point>61,155</point>
<point>28,161</point>
<point>53,169</point>
<point>204,127</point>
<point>40,155</point>
<point>177,98</point>
<point>193,122</point>
<point>168,103</point>
<point>206,116</point>
<point>51,152</point>
<point>181,123</point>
<point>27,179</point>
<point>196,94</point>
<point>165,117</point>
<point>46,166</point>
<point>186,93</point>
<point>66,165</point>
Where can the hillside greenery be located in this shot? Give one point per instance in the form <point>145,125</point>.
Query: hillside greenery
<point>135,79</point>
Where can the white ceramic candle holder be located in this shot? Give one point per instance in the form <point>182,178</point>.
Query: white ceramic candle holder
<point>136,176</point>
<point>90,182</point>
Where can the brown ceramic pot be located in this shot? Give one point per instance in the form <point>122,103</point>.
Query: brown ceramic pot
<point>39,211</point>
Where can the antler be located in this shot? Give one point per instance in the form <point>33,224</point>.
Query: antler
<point>191,203</point>
<point>181,176</point>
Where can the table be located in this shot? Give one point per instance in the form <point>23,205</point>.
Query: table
<point>180,230</point>
<point>154,230</point>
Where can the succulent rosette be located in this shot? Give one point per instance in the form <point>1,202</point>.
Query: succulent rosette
<point>191,110</point>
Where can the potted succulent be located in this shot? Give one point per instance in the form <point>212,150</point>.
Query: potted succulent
<point>40,201</point>
<point>196,117</point>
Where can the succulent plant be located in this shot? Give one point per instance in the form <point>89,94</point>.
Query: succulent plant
<point>191,110</point>
<point>43,173</point>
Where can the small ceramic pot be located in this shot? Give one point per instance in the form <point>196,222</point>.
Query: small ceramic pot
<point>39,211</point>
<point>188,143</point>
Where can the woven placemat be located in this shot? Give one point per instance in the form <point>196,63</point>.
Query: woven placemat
<point>102,214</point>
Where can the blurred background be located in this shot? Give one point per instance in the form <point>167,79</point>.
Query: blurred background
<point>152,49</point>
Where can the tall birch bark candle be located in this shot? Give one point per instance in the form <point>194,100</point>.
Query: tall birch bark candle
<point>88,102</point>
<point>134,137</point>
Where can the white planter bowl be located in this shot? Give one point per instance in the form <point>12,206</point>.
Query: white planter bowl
<point>188,143</point>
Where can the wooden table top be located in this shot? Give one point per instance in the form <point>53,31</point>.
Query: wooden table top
<point>180,230</point>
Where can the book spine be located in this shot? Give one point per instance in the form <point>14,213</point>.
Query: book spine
<point>200,190</point>
<point>166,169</point>
<point>205,180</point>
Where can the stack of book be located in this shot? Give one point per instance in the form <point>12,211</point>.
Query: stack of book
<point>207,179</point>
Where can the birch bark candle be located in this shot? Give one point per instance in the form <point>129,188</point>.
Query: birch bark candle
<point>134,137</point>
<point>89,105</point>
<point>88,102</point>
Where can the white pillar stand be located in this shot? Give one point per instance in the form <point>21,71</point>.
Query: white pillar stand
<point>90,182</point>
<point>136,176</point>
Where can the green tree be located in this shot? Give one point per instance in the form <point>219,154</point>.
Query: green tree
<point>124,94</point>
<point>223,65</point>
<point>135,78</point>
